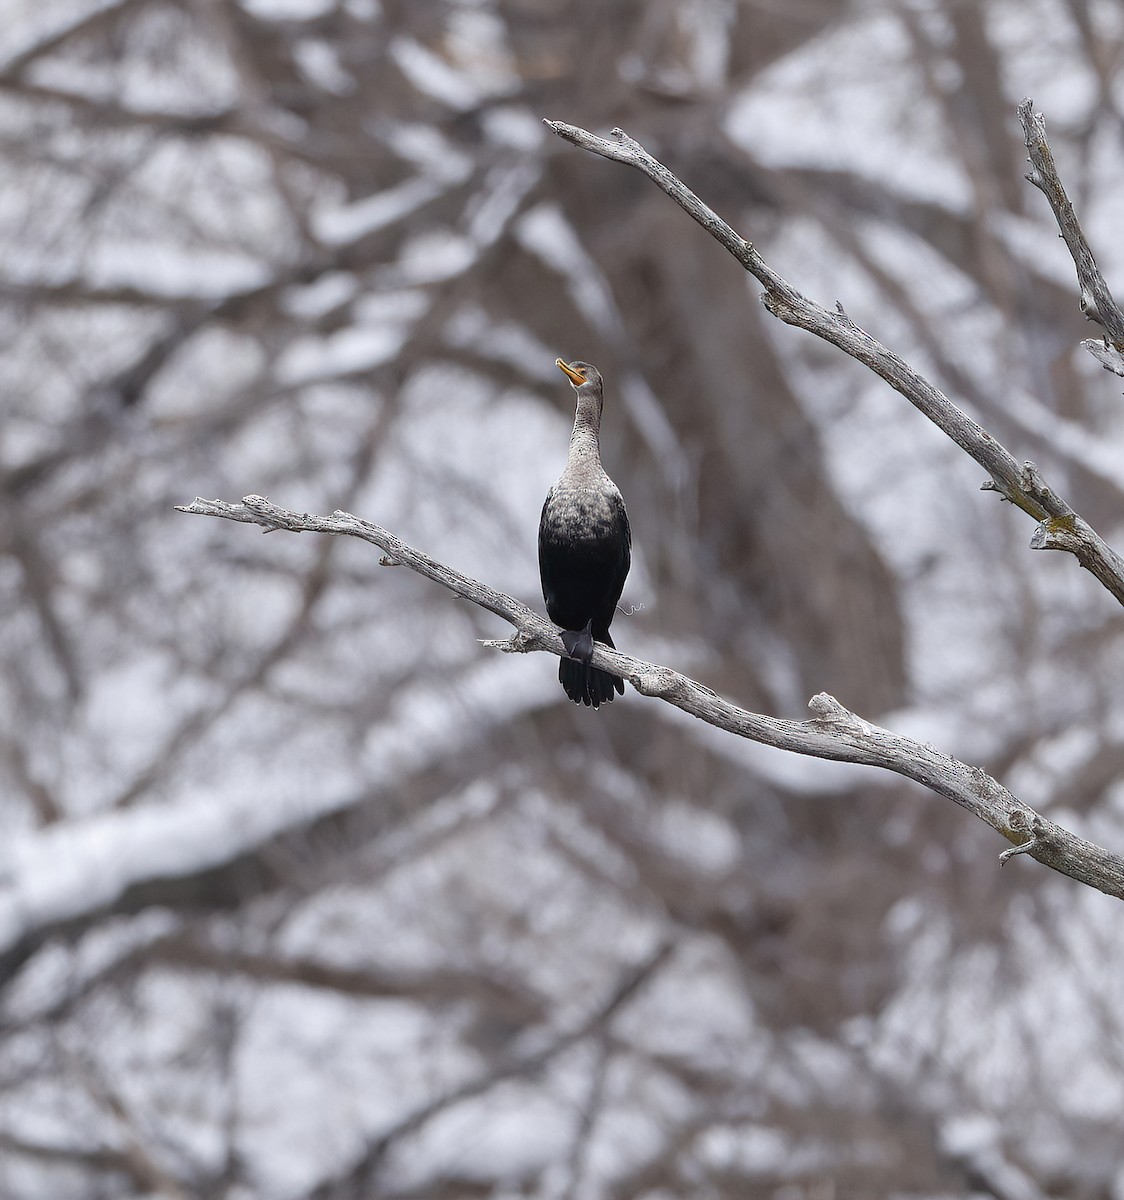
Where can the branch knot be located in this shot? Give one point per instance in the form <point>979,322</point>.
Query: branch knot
<point>661,682</point>
<point>829,712</point>
<point>1028,827</point>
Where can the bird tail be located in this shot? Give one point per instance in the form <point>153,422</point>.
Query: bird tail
<point>589,685</point>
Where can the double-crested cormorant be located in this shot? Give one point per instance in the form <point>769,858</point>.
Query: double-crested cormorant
<point>584,547</point>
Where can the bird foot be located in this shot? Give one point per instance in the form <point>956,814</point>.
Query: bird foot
<point>579,645</point>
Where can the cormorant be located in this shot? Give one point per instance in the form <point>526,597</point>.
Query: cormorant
<point>584,547</point>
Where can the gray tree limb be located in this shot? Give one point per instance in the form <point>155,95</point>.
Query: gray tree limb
<point>1096,299</point>
<point>1060,528</point>
<point>832,732</point>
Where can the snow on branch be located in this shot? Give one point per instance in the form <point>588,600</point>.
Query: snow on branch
<point>832,732</point>
<point>1060,528</point>
<point>1096,300</point>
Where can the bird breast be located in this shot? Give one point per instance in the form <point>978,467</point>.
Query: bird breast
<point>583,510</point>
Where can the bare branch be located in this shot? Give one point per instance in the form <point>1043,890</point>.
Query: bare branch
<point>257,510</point>
<point>1096,300</point>
<point>1108,356</point>
<point>1018,482</point>
<point>833,732</point>
<point>136,1154</point>
<point>433,985</point>
<point>517,1066</point>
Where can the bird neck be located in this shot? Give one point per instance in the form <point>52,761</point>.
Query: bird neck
<point>585,444</point>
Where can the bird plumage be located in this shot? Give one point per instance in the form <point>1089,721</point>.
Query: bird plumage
<point>585,547</point>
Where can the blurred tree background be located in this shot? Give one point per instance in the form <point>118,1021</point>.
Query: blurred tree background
<point>305,894</point>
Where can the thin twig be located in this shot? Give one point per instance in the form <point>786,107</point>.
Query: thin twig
<point>832,733</point>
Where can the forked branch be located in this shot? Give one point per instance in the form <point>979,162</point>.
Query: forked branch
<point>832,733</point>
<point>1060,528</point>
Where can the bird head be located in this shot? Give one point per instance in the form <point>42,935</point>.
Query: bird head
<point>583,376</point>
